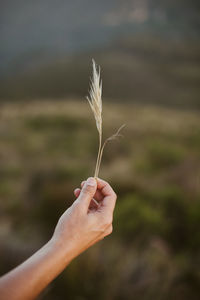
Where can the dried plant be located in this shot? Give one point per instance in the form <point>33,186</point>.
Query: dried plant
<point>95,102</point>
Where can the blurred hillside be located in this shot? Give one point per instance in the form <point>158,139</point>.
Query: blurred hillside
<point>41,30</point>
<point>148,50</point>
<point>144,69</point>
<point>48,147</point>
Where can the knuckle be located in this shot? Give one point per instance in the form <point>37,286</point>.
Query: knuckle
<point>114,196</point>
<point>107,221</point>
<point>87,189</point>
<point>110,219</point>
<point>109,230</point>
<point>104,226</point>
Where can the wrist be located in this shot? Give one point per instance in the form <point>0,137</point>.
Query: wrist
<point>62,249</point>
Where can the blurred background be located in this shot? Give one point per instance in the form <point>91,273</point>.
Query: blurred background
<point>149,53</point>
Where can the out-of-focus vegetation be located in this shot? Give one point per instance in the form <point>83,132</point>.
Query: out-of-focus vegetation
<point>48,148</point>
<point>137,68</point>
<point>149,52</point>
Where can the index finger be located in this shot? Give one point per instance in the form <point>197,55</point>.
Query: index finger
<point>110,196</point>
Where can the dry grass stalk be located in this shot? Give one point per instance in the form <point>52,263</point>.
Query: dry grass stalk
<point>95,102</point>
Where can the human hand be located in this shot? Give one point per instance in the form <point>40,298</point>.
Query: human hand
<point>86,222</point>
<point>89,219</point>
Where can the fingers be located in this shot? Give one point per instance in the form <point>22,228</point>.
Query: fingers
<point>77,192</point>
<point>93,204</point>
<point>98,195</point>
<point>104,193</point>
<point>102,185</point>
<point>109,195</point>
<point>87,193</point>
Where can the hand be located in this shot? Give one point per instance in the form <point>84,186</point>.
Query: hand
<point>89,219</point>
<point>86,222</point>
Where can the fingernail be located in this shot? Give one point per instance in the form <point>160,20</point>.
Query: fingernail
<point>91,181</point>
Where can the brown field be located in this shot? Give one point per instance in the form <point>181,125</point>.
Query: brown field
<point>48,147</point>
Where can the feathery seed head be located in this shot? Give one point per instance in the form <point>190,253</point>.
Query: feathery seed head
<point>95,102</point>
<point>95,93</point>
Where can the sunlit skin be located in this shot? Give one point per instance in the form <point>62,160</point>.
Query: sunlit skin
<point>82,225</point>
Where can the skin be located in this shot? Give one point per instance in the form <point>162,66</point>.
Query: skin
<point>86,222</point>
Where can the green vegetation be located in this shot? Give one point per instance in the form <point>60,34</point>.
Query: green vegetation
<point>48,148</point>
<point>166,71</point>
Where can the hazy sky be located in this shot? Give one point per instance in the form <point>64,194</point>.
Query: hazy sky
<point>34,27</point>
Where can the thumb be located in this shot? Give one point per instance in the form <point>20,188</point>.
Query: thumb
<point>88,191</point>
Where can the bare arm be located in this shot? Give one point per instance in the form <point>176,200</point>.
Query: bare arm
<point>81,226</point>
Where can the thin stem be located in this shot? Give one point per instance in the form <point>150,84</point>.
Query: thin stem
<point>99,151</point>
<point>114,136</point>
<point>100,156</point>
<point>99,161</point>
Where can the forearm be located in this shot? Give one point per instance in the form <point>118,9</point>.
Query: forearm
<point>31,277</point>
<point>78,228</point>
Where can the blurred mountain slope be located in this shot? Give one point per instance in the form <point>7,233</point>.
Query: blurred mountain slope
<point>35,30</point>
<point>143,68</point>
